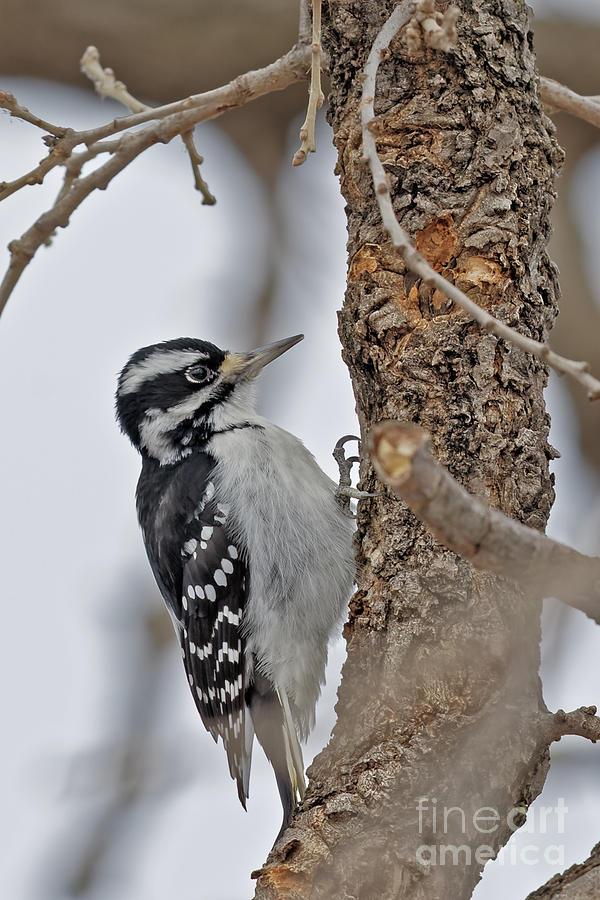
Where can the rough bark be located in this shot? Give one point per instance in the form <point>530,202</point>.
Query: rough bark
<point>440,691</point>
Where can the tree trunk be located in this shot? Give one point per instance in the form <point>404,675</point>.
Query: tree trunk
<point>440,694</point>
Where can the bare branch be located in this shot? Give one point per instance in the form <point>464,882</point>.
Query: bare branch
<point>9,102</point>
<point>315,97</point>
<point>400,239</point>
<point>208,199</point>
<point>559,97</point>
<point>582,722</point>
<point>173,119</point>
<point>467,526</point>
<point>106,84</point>
<point>277,76</point>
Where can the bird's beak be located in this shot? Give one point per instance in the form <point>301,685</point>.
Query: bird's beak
<point>237,366</point>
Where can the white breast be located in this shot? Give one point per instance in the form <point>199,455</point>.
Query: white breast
<point>299,548</point>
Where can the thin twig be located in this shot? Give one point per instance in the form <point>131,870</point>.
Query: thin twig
<point>467,526</point>
<point>400,239</point>
<point>105,82</point>
<point>35,176</point>
<point>315,97</point>
<point>169,121</point>
<point>560,97</point>
<point>9,102</point>
<point>208,199</point>
<point>107,85</point>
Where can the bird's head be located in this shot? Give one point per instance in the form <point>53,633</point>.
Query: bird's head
<point>172,396</point>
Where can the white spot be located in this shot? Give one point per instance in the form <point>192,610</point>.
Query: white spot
<point>220,519</point>
<point>192,647</point>
<point>190,591</point>
<point>190,545</point>
<point>210,592</point>
<point>208,493</point>
<point>184,602</point>
<point>220,577</point>
<point>232,551</point>
<point>199,591</point>
<point>227,566</point>
<point>206,532</point>
<point>200,653</point>
<point>203,545</point>
<point>191,680</point>
<point>211,693</point>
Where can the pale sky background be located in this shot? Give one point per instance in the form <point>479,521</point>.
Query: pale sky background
<point>142,262</point>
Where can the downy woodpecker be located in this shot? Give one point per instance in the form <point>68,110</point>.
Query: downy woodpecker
<point>250,550</point>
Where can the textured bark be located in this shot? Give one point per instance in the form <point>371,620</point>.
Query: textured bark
<point>440,691</point>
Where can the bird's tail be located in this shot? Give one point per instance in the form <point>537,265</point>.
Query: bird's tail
<point>276,733</point>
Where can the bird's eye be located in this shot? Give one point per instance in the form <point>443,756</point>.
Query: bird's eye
<point>198,374</point>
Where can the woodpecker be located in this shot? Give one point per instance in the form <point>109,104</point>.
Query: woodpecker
<point>250,550</point>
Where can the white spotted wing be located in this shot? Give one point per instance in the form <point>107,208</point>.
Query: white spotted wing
<point>213,597</point>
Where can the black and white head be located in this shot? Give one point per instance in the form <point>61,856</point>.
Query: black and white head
<point>173,396</point>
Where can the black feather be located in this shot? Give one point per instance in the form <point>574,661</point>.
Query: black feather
<point>201,572</point>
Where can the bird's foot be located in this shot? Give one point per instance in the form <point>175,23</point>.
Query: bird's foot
<point>345,492</point>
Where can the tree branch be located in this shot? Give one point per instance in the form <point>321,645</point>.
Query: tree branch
<point>470,528</point>
<point>400,239</point>
<point>315,97</point>
<point>559,97</point>
<point>582,722</point>
<point>168,121</point>
<point>107,85</point>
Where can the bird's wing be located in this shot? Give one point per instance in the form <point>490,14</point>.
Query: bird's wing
<point>213,595</point>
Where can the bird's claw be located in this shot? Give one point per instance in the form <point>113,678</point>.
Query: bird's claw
<point>345,492</point>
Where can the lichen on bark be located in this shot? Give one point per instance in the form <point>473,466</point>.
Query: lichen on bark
<point>441,684</point>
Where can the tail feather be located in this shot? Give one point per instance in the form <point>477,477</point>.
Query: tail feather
<point>247,757</point>
<point>276,733</point>
<point>292,745</point>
